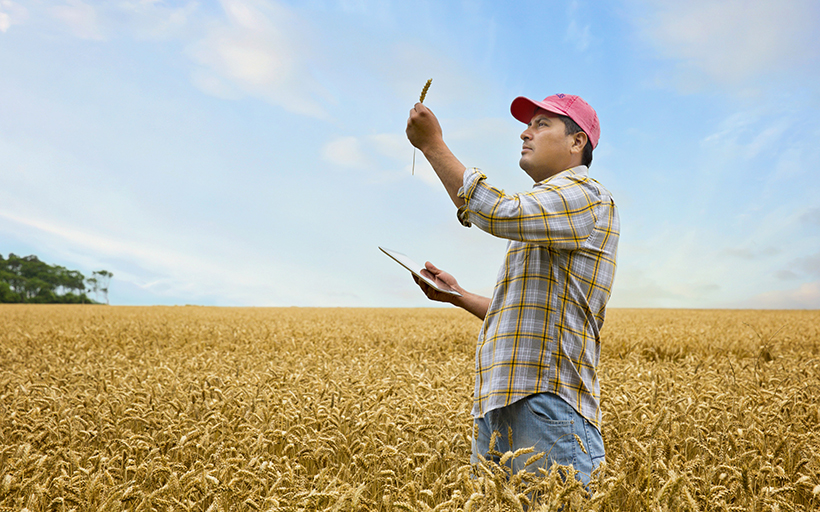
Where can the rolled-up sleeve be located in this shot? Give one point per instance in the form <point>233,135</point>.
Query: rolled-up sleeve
<point>559,212</point>
<point>472,177</point>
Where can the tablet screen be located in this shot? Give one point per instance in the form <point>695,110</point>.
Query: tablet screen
<point>416,269</point>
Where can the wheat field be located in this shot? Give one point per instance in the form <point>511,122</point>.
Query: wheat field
<point>218,409</point>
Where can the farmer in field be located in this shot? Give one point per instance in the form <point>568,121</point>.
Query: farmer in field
<point>538,349</point>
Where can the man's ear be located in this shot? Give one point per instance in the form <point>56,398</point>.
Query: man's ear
<point>579,141</point>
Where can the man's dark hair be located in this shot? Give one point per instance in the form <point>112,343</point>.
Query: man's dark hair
<point>571,128</point>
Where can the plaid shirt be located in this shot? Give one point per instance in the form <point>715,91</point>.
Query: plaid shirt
<point>542,329</point>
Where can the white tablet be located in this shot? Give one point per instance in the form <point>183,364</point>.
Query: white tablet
<point>416,269</point>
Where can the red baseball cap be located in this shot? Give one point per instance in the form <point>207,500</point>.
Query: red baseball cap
<point>564,104</point>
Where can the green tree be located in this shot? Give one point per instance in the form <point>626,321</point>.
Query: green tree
<point>28,279</point>
<point>6,294</point>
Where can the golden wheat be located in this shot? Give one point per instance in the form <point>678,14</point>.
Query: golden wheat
<point>209,409</point>
<point>421,100</point>
<point>424,90</point>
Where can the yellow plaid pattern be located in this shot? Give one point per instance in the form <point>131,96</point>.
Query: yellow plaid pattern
<point>542,330</point>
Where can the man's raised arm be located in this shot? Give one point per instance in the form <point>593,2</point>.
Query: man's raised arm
<point>424,132</point>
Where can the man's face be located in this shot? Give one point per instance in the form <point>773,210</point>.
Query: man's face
<point>546,149</point>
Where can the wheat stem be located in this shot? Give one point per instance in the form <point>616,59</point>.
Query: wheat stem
<point>421,100</point>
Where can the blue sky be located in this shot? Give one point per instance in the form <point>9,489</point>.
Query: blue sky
<point>252,152</point>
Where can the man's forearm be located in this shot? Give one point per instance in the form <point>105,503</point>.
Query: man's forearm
<point>448,168</point>
<point>475,304</point>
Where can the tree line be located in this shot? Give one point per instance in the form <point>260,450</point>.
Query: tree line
<point>27,279</point>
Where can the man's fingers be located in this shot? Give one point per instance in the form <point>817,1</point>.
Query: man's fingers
<point>419,110</point>
<point>421,283</point>
<point>425,288</point>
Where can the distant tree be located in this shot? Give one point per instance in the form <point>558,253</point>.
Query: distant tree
<point>93,284</point>
<point>27,279</point>
<point>105,279</point>
<point>6,295</point>
<point>67,281</point>
<point>73,281</point>
<point>13,274</point>
<point>34,287</point>
<point>38,277</point>
<point>99,281</point>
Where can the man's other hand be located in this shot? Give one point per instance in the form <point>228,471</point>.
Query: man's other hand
<point>439,277</point>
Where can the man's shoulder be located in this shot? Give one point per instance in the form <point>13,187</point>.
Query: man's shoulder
<point>575,181</point>
<point>603,191</point>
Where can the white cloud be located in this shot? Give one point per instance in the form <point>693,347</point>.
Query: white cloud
<point>391,156</point>
<point>390,144</point>
<point>97,21</point>
<point>155,265</point>
<point>750,133</point>
<point>734,256</point>
<point>102,245</point>
<point>397,149</point>
<point>810,264</point>
<point>806,296</point>
<point>577,34</point>
<point>387,155</point>
<point>811,216</point>
<point>81,19</point>
<point>153,19</point>
<point>214,85</point>
<point>751,253</point>
<point>11,13</point>
<point>681,274</point>
<point>732,41</point>
<point>423,171</point>
<point>346,152</point>
<point>263,50</point>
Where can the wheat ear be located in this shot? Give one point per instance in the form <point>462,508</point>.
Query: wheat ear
<point>424,91</point>
<point>421,100</point>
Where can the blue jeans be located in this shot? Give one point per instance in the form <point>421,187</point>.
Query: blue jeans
<point>546,422</point>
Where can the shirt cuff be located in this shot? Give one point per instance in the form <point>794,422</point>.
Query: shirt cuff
<point>472,177</point>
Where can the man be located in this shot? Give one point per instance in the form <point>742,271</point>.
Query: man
<point>538,349</point>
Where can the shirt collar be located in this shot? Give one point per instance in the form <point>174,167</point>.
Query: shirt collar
<point>581,170</point>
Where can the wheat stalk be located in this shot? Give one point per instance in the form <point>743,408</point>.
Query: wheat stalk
<point>421,100</point>
<point>424,90</point>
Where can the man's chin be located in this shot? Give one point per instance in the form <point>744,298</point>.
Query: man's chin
<point>537,176</point>
<point>526,168</point>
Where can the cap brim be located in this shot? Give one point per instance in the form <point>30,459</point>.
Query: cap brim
<point>524,108</point>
